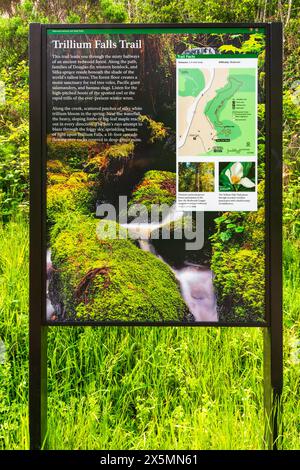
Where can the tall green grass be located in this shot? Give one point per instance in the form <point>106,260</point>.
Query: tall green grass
<point>142,388</point>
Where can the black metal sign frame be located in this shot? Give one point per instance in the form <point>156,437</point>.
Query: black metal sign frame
<point>273,225</point>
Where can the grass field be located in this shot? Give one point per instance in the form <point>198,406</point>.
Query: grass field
<point>142,388</point>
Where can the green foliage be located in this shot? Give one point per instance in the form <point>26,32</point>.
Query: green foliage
<point>238,263</point>
<point>113,11</point>
<point>67,191</point>
<point>73,17</point>
<point>291,212</point>
<point>156,11</point>
<point>230,48</point>
<point>159,11</point>
<point>119,151</point>
<point>14,110</point>
<point>254,45</point>
<point>240,274</point>
<point>14,256</point>
<point>261,148</point>
<point>291,50</point>
<point>14,165</point>
<point>291,174</point>
<point>291,115</point>
<point>108,279</point>
<point>72,152</point>
<point>107,161</point>
<point>291,282</point>
<point>14,33</point>
<point>227,226</point>
<point>157,187</point>
<point>156,130</point>
<point>13,180</point>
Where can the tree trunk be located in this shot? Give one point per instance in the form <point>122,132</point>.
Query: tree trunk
<point>197,179</point>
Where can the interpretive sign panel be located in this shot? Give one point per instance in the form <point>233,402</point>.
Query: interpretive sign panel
<point>155,161</point>
<point>155,167</point>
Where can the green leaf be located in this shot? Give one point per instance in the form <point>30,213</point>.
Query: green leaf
<point>224,180</point>
<point>218,220</point>
<point>229,48</point>
<point>246,167</point>
<point>225,236</point>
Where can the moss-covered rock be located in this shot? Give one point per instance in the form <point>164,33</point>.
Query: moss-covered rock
<point>109,279</point>
<point>157,187</point>
<point>238,263</point>
<point>114,152</point>
<point>74,153</point>
<point>67,191</point>
<point>112,164</point>
<point>170,238</point>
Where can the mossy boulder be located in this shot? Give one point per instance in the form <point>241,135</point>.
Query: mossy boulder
<point>112,163</point>
<point>109,279</point>
<point>74,153</point>
<point>157,187</point>
<point>114,152</point>
<point>67,191</point>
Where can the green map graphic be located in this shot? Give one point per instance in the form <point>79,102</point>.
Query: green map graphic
<point>216,112</point>
<point>232,115</point>
<point>191,82</point>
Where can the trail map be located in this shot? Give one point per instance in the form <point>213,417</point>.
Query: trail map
<point>216,104</point>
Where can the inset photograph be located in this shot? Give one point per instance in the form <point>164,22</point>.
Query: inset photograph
<point>196,177</point>
<point>237,176</point>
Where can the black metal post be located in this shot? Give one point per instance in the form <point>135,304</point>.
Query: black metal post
<point>273,344</point>
<point>37,332</point>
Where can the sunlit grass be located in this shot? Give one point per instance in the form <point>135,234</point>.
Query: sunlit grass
<point>142,388</point>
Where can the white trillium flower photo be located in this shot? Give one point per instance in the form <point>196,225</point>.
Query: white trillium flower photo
<point>235,174</point>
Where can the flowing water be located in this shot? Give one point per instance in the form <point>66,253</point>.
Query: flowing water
<point>50,310</point>
<point>196,281</point>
